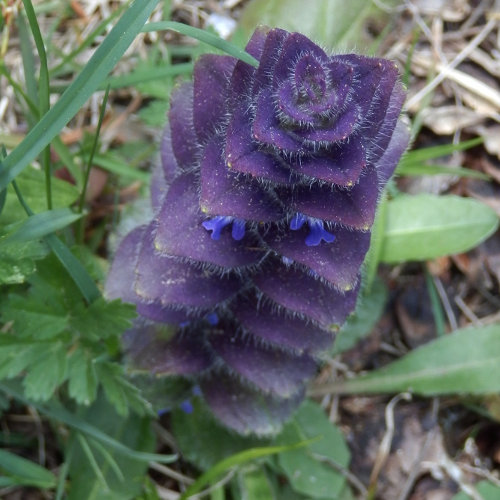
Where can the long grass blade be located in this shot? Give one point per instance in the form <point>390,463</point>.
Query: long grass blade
<point>59,413</point>
<point>203,36</point>
<point>238,459</point>
<point>43,92</point>
<point>100,64</point>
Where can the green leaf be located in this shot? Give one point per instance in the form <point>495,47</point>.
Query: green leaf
<point>255,485</point>
<point>424,226</point>
<point>203,36</point>
<point>487,490</point>
<point>31,183</point>
<point>47,374</point>
<point>120,392</point>
<point>368,311</point>
<point>335,24</point>
<point>424,169</point>
<point>82,377</point>
<point>100,64</point>
<point>17,260</point>
<point>42,224</point>
<point>424,154</point>
<point>32,318</point>
<point>57,412</point>
<point>213,442</point>
<point>240,458</point>
<point>306,468</point>
<point>25,472</point>
<point>466,361</point>
<point>123,476</point>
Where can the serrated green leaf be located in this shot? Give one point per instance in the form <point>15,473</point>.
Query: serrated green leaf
<point>424,226</point>
<point>25,472</point>
<point>123,476</point>
<point>82,377</point>
<point>304,468</point>
<point>102,319</point>
<point>119,392</point>
<point>335,24</point>
<point>32,318</point>
<point>15,356</point>
<point>49,372</point>
<point>466,361</point>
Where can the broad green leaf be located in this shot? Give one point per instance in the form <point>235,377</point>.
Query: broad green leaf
<point>25,472</point>
<point>41,224</point>
<point>368,311</point>
<point>466,361</point>
<point>123,476</point>
<point>100,64</point>
<point>236,460</point>
<point>254,485</point>
<point>335,24</point>
<point>487,490</point>
<point>213,441</point>
<point>424,226</point>
<point>307,468</point>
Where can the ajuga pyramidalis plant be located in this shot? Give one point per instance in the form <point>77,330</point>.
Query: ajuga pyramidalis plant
<point>264,201</point>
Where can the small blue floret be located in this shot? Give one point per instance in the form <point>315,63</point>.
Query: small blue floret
<point>217,224</point>
<point>186,406</point>
<point>317,231</point>
<point>212,318</point>
<point>238,231</point>
<point>297,221</point>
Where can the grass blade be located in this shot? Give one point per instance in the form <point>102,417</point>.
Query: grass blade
<point>424,154</point>
<point>59,413</point>
<point>203,36</point>
<point>43,92</point>
<point>94,72</point>
<point>424,169</point>
<point>42,224</point>
<point>25,471</point>
<point>238,459</point>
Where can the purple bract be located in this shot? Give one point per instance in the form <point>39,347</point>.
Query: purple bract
<point>264,201</point>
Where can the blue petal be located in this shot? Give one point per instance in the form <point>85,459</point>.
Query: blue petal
<point>297,221</point>
<point>238,231</point>
<point>212,318</point>
<point>186,406</point>
<point>318,233</point>
<point>216,225</point>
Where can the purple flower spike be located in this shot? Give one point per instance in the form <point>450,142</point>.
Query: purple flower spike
<point>264,203</point>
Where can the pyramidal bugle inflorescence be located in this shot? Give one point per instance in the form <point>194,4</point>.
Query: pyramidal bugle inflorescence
<point>264,201</point>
